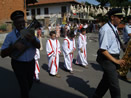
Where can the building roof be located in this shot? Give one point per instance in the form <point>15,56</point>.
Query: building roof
<point>42,2</point>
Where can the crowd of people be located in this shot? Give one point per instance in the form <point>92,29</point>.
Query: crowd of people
<point>61,30</point>
<point>26,66</point>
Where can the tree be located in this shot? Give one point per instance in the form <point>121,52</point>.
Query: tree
<point>114,3</point>
<point>86,3</point>
<point>103,2</point>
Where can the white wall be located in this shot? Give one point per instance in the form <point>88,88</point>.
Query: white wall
<point>52,9</point>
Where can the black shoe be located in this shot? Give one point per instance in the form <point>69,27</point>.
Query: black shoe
<point>129,80</point>
<point>37,80</point>
<point>125,79</point>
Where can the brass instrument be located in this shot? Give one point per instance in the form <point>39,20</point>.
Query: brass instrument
<point>127,57</point>
<point>0,51</point>
<point>30,29</point>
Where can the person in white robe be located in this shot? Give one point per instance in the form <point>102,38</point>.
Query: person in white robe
<point>53,51</point>
<point>82,55</point>
<point>68,48</point>
<point>37,67</point>
<point>129,11</point>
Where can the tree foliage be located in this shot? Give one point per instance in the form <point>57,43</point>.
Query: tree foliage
<point>114,3</point>
<point>86,3</point>
<point>103,2</point>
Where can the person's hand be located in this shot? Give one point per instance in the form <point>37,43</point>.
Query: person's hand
<point>81,50</point>
<point>20,46</point>
<point>71,52</point>
<point>120,62</point>
<point>30,37</point>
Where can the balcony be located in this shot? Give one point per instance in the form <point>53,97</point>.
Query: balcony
<point>44,16</point>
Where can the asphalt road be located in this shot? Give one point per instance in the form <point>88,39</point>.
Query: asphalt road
<point>81,84</point>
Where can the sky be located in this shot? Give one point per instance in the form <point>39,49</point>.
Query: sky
<point>90,1</point>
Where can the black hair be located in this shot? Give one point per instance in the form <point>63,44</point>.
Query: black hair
<point>52,32</point>
<point>128,18</point>
<point>83,29</point>
<point>71,34</point>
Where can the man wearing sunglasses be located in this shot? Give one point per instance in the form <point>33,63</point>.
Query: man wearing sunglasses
<point>108,55</point>
<point>24,65</point>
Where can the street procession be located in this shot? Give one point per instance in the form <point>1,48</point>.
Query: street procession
<point>65,49</point>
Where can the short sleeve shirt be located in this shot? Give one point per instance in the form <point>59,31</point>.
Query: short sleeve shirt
<point>108,40</point>
<point>11,38</point>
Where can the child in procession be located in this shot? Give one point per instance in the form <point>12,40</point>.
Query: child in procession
<point>53,52</point>
<point>69,47</point>
<point>82,55</point>
<point>37,67</point>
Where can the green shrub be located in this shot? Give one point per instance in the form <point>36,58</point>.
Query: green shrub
<point>3,27</point>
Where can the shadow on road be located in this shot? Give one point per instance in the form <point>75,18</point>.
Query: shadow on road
<point>96,66</point>
<point>74,62</point>
<point>61,65</point>
<point>80,85</point>
<point>129,96</point>
<point>9,88</point>
<point>45,67</point>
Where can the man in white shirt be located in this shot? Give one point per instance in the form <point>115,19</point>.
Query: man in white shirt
<point>108,55</point>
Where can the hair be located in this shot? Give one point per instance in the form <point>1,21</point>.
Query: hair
<point>71,34</point>
<point>128,18</point>
<point>52,32</point>
<point>83,29</point>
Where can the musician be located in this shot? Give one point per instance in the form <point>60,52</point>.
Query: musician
<point>24,65</point>
<point>126,37</point>
<point>108,55</point>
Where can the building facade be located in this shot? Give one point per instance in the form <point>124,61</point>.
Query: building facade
<point>8,6</point>
<point>52,11</point>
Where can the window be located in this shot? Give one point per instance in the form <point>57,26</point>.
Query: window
<point>27,12</point>
<point>63,9</point>
<point>46,11</point>
<point>38,11</point>
<point>32,12</point>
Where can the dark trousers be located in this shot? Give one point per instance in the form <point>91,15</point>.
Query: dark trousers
<point>108,81</point>
<point>24,72</point>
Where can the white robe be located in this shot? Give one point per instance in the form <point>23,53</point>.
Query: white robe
<point>53,51</point>
<point>68,46</point>
<point>82,57</point>
<point>37,67</point>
